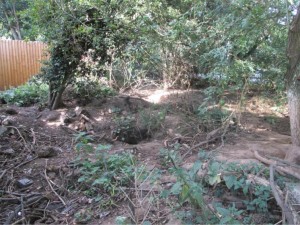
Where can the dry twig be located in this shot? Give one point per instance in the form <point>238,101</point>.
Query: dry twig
<point>52,189</point>
<point>23,139</point>
<point>33,136</point>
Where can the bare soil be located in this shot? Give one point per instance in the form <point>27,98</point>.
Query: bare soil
<point>30,132</point>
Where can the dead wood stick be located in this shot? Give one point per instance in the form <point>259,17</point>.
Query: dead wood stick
<point>286,211</point>
<point>11,200</point>
<point>17,166</point>
<point>33,136</point>
<point>23,139</point>
<point>284,162</point>
<point>85,118</point>
<point>23,163</point>
<point>279,168</point>
<point>2,174</point>
<point>67,129</point>
<point>200,144</point>
<point>211,136</point>
<point>52,189</point>
<point>279,222</point>
<point>18,221</point>
<point>29,201</point>
<point>262,181</point>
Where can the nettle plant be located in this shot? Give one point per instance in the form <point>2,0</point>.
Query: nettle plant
<point>233,178</point>
<point>100,171</point>
<point>210,177</point>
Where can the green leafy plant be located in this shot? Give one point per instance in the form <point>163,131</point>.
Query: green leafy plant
<point>211,117</point>
<point>152,120</point>
<point>214,174</point>
<point>261,196</point>
<point>84,215</point>
<point>100,171</point>
<point>124,125</point>
<point>168,156</point>
<point>90,87</point>
<point>187,187</point>
<point>237,181</point>
<point>271,120</point>
<point>228,215</point>
<point>34,91</point>
<point>217,179</point>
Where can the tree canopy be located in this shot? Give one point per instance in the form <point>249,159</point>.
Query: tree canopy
<point>229,43</point>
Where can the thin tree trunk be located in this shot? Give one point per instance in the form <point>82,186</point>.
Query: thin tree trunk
<point>55,93</point>
<point>12,21</point>
<point>293,77</point>
<point>15,24</point>
<point>57,101</point>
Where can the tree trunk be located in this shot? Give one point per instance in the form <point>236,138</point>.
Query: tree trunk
<point>55,98</point>
<point>12,21</point>
<point>56,92</point>
<point>15,32</point>
<point>293,77</point>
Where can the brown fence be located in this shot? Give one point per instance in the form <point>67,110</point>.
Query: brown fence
<point>19,60</point>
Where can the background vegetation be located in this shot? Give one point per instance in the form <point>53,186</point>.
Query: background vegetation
<point>230,44</point>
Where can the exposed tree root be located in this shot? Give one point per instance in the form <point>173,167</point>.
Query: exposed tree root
<point>283,169</point>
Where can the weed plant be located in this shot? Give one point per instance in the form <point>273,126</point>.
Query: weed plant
<point>32,92</point>
<point>102,173</point>
<point>152,120</point>
<point>218,179</point>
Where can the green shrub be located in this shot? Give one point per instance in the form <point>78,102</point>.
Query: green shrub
<point>34,91</point>
<point>90,87</point>
<point>152,120</point>
<point>211,117</point>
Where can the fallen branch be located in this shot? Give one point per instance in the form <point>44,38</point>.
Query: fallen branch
<point>263,182</point>
<point>23,139</point>
<point>2,174</point>
<point>19,221</point>
<point>52,189</point>
<point>29,201</point>
<point>23,163</point>
<point>203,143</point>
<point>284,162</point>
<point>33,136</point>
<point>200,144</point>
<point>11,200</point>
<point>286,211</point>
<point>69,130</point>
<point>17,166</point>
<point>279,168</point>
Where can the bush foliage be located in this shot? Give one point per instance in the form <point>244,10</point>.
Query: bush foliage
<point>34,91</point>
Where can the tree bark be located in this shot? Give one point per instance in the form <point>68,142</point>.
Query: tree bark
<point>56,92</point>
<point>12,20</point>
<point>293,77</point>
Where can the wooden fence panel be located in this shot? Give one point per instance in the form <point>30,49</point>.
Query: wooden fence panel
<point>19,60</point>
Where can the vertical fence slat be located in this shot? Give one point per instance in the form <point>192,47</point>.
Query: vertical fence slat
<point>19,60</point>
<point>8,76</point>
